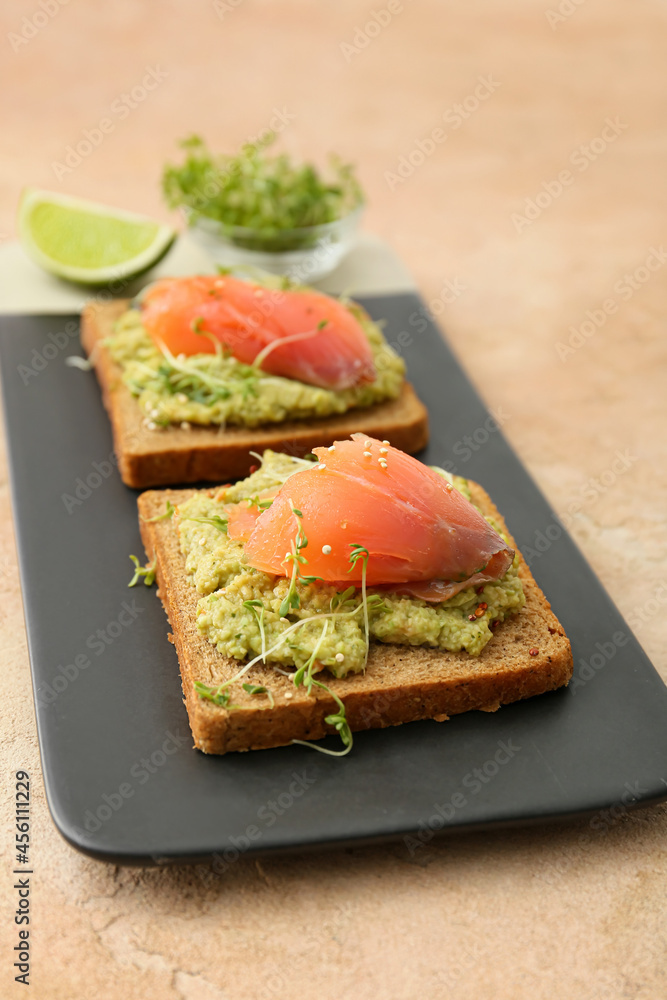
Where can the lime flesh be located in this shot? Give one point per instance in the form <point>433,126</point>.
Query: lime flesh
<point>89,243</point>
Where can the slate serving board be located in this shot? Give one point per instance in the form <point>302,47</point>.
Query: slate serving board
<point>122,781</point>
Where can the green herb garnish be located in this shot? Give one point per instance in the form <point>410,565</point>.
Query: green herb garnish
<point>259,615</point>
<point>180,374</point>
<point>219,695</point>
<point>269,195</point>
<point>216,520</point>
<point>292,599</point>
<point>359,552</point>
<point>339,721</point>
<point>261,504</point>
<point>259,689</point>
<point>147,572</point>
<point>169,512</point>
<point>339,600</point>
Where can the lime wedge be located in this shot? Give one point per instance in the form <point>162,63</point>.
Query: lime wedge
<point>89,243</point>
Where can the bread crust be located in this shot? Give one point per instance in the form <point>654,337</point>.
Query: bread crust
<point>401,683</point>
<point>158,458</point>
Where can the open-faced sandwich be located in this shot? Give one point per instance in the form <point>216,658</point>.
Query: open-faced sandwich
<point>357,591</point>
<point>205,369</point>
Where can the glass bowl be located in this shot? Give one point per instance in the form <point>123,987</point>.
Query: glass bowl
<point>304,255</point>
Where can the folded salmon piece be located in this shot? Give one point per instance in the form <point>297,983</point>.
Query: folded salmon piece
<point>423,537</point>
<point>297,333</point>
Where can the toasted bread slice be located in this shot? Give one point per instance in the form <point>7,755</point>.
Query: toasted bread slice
<point>528,655</point>
<point>157,458</point>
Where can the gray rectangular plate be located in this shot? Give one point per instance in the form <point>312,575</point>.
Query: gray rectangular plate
<point>122,781</point>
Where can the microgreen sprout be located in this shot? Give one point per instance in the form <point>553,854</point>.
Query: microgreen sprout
<point>292,599</point>
<point>169,512</point>
<point>181,374</point>
<point>216,520</point>
<point>281,341</point>
<point>261,504</point>
<point>339,600</point>
<point>75,361</point>
<point>222,696</point>
<point>260,689</point>
<point>267,196</point>
<point>259,615</point>
<point>304,675</point>
<point>219,695</point>
<point>338,721</point>
<point>147,572</point>
<point>301,463</point>
<point>360,552</point>
<point>198,327</point>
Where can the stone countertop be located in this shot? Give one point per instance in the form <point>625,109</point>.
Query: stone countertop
<point>514,154</point>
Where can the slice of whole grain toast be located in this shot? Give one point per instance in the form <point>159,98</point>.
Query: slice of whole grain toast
<point>173,455</point>
<point>528,655</point>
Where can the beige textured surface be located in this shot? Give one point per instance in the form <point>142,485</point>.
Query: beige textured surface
<point>571,912</point>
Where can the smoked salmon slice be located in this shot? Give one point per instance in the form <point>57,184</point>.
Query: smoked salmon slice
<point>422,536</point>
<point>299,333</point>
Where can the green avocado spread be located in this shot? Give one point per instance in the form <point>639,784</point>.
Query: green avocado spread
<point>239,610</point>
<point>216,389</point>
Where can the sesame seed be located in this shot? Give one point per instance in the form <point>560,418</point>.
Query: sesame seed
<point>152,426</point>
<point>383,451</point>
<point>383,464</point>
<point>340,657</point>
<point>155,413</point>
<point>185,426</point>
<point>202,541</point>
<point>284,619</point>
<point>367,454</point>
<point>448,487</point>
<point>326,549</point>
<point>385,442</point>
<point>289,694</point>
<point>332,448</point>
<point>368,444</point>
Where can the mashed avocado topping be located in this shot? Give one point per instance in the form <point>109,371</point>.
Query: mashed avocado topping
<point>240,607</point>
<point>216,389</point>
